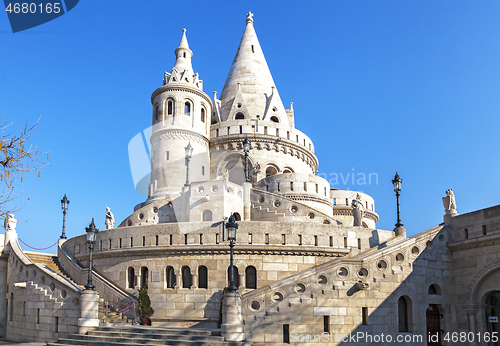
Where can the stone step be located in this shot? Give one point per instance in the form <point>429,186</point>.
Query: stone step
<point>158,330</point>
<point>85,340</point>
<point>146,336</point>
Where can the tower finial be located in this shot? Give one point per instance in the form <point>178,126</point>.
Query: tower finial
<point>249,17</point>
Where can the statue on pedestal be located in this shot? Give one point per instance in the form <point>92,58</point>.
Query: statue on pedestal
<point>110,219</point>
<point>449,203</point>
<point>11,223</point>
<point>357,210</point>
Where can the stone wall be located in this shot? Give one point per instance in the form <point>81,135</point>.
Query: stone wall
<point>259,245</point>
<point>345,289</point>
<point>41,305</point>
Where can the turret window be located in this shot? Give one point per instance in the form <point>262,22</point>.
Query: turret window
<point>275,119</point>
<point>203,115</point>
<point>239,116</point>
<point>187,108</point>
<point>170,108</point>
<point>156,113</point>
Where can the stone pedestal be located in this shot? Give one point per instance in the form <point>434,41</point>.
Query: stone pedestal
<point>89,311</point>
<point>247,204</point>
<point>232,321</point>
<point>400,231</point>
<point>448,215</point>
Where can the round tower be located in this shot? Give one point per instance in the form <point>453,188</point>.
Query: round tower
<point>181,116</point>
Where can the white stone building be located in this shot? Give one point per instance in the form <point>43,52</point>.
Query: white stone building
<point>304,264</point>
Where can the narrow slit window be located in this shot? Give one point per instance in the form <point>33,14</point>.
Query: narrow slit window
<point>143,241</point>
<point>170,108</point>
<point>300,239</point>
<point>185,239</point>
<point>201,238</point>
<point>364,311</point>
<point>315,240</point>
<point>157,239</point>
<point>283,239</point>
<point>267,238</point>
<point>187,108</point>
<point>249,238</point>
<point>170,239</point>
<point>466,233</point>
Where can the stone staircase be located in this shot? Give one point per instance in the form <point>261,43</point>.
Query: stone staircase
<point>51,262</point>
<point>142,335</point>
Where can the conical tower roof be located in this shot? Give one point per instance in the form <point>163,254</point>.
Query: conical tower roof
<point>250,78</point>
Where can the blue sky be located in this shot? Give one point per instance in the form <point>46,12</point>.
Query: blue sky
<point>379,86</point>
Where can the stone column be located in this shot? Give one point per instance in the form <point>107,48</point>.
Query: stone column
<point>89,311</point>
<point>232,321</point>
<point>247,204</point>
<point>242,281</point>
<point>194,280</point>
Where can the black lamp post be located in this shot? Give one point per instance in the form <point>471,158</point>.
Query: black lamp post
<point>64,207</point>
<point>231,227</point>
<point>189,154</point>
<point>246,149</point>
<point>91,235</point>
<point>396,182</point>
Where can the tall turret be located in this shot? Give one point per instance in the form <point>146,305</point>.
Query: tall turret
<point>181,113</point>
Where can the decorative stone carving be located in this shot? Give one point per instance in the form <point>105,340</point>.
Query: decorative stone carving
<point>110,219</point>
<point>357,210</point>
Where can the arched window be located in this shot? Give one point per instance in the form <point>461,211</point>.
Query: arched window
<point>434,289</point>
<point>187,108</point>
<point>207,215</point>
<point>251,277</point>
<point>237,216</point>
<point>187,278</point>
<point>271,171</point>
<point>239,116</point>
<point>170,107</point>
<point>236,276</point>
<point>171,278</point>
<point>202,277</point>
<point>157,114</point>
<point>203,114</point>
<point>275,119</point>
<point>287,170</point>
<point>144,276</point>
<point>131,277</point>
<point>405,314</point>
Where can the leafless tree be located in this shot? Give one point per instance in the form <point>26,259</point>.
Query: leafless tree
<point>19,159</point>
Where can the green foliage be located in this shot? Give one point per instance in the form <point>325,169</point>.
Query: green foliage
<point>145,310</point>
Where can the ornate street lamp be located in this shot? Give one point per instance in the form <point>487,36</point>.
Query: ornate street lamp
<point>396,182</point>
<point>64,207</point>
<point>91,235</point>
<point>231,227</point>
<point>189,154</point>
<point>246,149</point>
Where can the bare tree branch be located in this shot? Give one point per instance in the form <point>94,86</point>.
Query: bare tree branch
<point>19,159</point>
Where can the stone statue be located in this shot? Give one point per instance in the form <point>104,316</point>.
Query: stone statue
<point>449,202</point>
<point>11,223</point>
<point>110,219</point>
<point>357,210</point>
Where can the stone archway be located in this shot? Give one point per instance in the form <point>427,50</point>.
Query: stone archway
<point>492,313</point>
<point>234,165</point>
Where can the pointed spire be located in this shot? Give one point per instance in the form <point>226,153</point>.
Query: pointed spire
<point>250,77</point>
<point>184,41</point>
<point>183,56</point>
